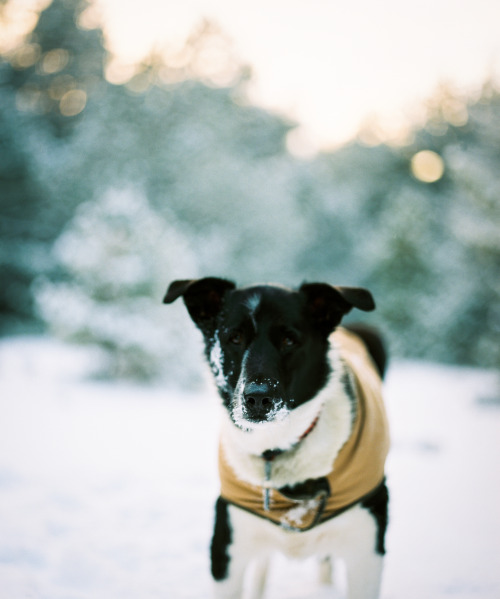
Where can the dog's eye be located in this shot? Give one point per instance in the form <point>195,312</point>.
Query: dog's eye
<point>288,341</point>
<point>236,338</point>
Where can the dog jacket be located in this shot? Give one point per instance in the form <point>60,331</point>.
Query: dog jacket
<point>357,471</point>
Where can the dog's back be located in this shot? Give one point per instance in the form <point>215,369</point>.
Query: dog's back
<point>374,343</point>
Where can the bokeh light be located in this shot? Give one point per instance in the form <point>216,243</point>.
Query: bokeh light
<point>427,166</point>
<point>55,61</point>
<point>73,102</point>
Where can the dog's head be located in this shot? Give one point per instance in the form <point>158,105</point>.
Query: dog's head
<point>267,345</point>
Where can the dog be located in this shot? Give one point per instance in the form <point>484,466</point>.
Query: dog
<point>304,433</point>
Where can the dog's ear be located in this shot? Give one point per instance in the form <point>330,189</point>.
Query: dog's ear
<point>326,305</point>
<point>203,297</point>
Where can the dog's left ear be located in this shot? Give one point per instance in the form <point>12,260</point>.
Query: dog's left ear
<point>327,305</point>
<point>203,298</point>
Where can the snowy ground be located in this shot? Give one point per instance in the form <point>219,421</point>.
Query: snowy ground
<point>106,491</point>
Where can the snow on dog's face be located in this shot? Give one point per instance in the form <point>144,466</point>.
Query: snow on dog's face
<point>266,345</point>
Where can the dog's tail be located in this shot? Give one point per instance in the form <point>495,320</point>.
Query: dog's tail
<point>374,343</point>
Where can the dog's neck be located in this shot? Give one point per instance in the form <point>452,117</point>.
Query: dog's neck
<point>270,454</point>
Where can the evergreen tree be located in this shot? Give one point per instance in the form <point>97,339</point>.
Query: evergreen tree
<point>429,251</point>
<point>473,160</point>
<point>45,86</point>
<point>119,254</point>
<point>58,67</point>
<point>23,237</point>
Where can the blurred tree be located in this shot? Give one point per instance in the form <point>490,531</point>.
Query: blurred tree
<point>111,295</point>
<point>203,160</point>
<point>58,66</point>
<point>23,237</point>
<point>462,320</point>
<point>473,160</point>
<point>221,167</point>
<point>45,84</point>
<point>428,250</point>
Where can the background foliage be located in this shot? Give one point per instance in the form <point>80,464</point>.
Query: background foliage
<point>108,192</point>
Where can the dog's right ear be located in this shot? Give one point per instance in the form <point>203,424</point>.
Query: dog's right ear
<point>203,298</point>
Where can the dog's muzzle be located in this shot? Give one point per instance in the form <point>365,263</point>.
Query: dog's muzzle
<point>262,400</point>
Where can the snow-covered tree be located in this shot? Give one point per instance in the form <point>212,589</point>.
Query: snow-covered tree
<point>119,255</point>
<point>46,83</point>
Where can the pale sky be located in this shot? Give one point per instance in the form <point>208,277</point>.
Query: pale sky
<point>330,64</point>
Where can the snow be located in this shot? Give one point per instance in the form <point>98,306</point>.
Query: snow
<point>294,518</point>
<point>107,490</point>
<point>217,363</point>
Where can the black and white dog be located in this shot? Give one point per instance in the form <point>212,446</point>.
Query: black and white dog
<point>304,434</point>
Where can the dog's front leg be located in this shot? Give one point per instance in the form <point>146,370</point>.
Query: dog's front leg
<point>234,548</point>
<point>228,565</point>
<point>259,577</point>
<point>255,580</point>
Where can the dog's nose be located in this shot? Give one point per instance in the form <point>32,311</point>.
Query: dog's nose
<point>259,399</point>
